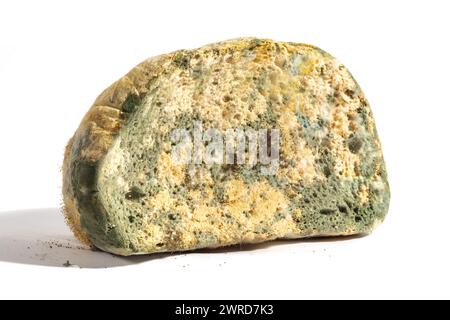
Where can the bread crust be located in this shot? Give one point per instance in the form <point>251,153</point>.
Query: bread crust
<point>91,141</point>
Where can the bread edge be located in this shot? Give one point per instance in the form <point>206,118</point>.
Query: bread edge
<point>96,133</point>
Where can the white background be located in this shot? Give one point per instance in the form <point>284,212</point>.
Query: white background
<point>57,56</point>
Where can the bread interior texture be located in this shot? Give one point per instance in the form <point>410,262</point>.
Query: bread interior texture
<point>331,179</point>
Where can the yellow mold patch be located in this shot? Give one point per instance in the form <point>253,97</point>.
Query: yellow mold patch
<point>168,171</point>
